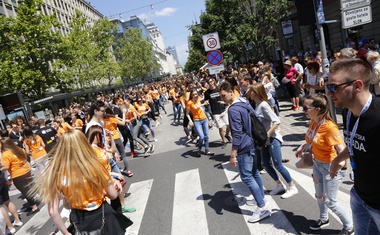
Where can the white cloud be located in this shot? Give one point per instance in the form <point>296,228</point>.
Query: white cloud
<point>167,11</point>
<point>182,53</point>
<point>143,16</point>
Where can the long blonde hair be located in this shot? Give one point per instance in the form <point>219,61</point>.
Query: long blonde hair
<point>8,145</point>
<point>75,162</point>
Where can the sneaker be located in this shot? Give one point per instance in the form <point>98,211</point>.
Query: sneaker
<point>32,212</point>
<point>228,138</point>
<point>279,188</point>
<point>12,230</point>
<point>209,153</point>
<point>224,145</point>
<point>263,171</point>
<point>151,149</point>
<point>126,209</point>
<point>129,174</point>
<point>127,195</point>
<point>19,224</point>
<point>259,213</point>
<point>291,191</point>
<point>157,123</point>
<point>346,231</point>
<point>155,140</point>
<point>146,149</point>
<point>320,224</point>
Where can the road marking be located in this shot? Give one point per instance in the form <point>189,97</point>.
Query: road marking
<point>189,215</point>
<point>276,224</point>
<point>138,199</point>
<point>35,223</point>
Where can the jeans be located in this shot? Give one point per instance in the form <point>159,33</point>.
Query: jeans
<point>177,109</point>
<point>327,189</point>
<point>272,154</point>
<point>146,124</point>
<point>202,128</point>
<point>120,148</point>
<point>366,219</point>
<point>251,176</point>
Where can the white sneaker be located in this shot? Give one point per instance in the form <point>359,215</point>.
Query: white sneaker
<point>251,202</point>
<point>291,191</point>
<point>263,171</point>
<point>279,188</point>
<point>259,213</point>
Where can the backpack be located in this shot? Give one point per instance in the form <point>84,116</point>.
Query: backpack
<point>259,133</point>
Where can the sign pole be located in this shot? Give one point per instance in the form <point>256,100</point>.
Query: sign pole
<point>319,16</point>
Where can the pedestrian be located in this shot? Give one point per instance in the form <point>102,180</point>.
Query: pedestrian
<point>48,134</point>
<point>14,160</point>
<point>200,121</point>
<point>243,148</point>
<point>348,87</point>
<point>324,141</point>
<point>35,147</point>
<point>75,174</point>
<point>291,79</point>
<point>271,152</point>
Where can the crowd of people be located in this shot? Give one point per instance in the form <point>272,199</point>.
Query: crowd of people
<point>107,130</point>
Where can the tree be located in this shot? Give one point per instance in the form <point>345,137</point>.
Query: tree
<point>135,55</point>
<point>241,24</point>
<point>28,49</point>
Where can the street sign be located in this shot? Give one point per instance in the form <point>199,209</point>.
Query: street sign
<point>216,69</point>
<point>357,16</point>
<point>211,41</point>
<point>349,4</point>
<point>214,57</point>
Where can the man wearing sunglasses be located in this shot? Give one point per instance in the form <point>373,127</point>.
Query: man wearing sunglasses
<point>348,87</point>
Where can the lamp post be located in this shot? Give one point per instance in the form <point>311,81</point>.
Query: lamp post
<point>320,19</point>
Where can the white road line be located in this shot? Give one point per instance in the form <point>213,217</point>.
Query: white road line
<point>35,223</point>
<point>138,199</point>
<point>189,215</point>
<point>277,224</point>
<point>306,182</point>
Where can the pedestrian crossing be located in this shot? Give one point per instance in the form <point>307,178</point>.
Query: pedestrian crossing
<point>189,206</point>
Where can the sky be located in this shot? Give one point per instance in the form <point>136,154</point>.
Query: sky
<point>170,16</point>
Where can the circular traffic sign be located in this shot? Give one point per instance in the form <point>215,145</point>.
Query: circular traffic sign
<point>212,42</point>
<point>214,57</point>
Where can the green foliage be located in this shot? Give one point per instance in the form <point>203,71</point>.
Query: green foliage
<point>135,55</point>
<point>239,23</point>
<point>28,47</point>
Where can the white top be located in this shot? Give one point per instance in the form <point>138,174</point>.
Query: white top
<point>268,118</point>
<point>269,89</point>
<point>313,80</point>
<point>299,67</point>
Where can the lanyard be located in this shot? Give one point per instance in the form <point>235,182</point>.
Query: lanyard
<point>354,129</point>
<point>315,131</point>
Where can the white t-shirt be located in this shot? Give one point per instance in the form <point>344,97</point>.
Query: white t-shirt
<point>313,80</point>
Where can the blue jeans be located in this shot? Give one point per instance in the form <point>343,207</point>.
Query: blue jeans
<point>250,175</point>
<point>327,190</point>
<point>272,154</point>
<point>202,128</point>
<point>177,109</point>
<point>146,124</point>
<point>366,219</point>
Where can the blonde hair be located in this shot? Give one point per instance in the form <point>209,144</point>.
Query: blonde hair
<point>8,145</point>
<point>73,164</point>
<point>259,90</point>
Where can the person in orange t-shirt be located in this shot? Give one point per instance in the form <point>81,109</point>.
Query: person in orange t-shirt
<point>14,160</point>
<point>325,142</point>
<point>76,174</point>
<point>35,146</point>
<point>200,121</point>
<point>76,122</point>
<point>142,110</point>
<point>58,127</point>
<point>177,108</point>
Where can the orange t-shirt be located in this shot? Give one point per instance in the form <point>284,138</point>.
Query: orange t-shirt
<point>130,112</point>
<point>141,108</point>
<point>155,94</point>
<point>91,198</point>
<point>17,166</point>
<point>78,123</point>
<point>324,140</point>
<point>60,131</point>
<point>176,99</point>
<point>196,110</point>
<point>237,92</point>
<point>111,124</point>
<point>66,126</point>
<point>102,156</point>
<point>35,147</point>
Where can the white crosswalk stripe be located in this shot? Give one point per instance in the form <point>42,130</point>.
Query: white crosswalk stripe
<point>189,212</point>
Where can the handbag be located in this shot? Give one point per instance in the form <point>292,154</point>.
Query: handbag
<point>99,231</point>
<point>306,161</point>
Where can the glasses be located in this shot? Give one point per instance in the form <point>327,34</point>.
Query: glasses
<point>304,108</point>
<point>332,87</point>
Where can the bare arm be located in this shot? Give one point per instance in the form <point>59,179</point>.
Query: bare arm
<point>53,208</point>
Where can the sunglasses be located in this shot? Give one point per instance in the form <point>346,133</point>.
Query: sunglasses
<point>304,108</point>
<point>332,87</point>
